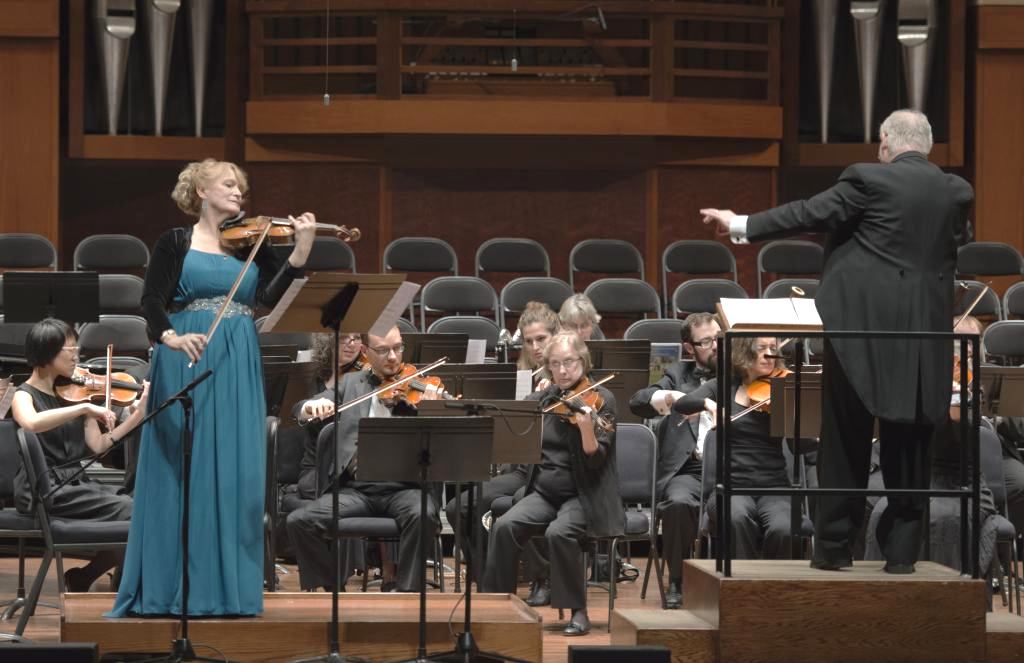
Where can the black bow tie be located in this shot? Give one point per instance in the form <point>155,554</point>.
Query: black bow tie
<point>703,373</point>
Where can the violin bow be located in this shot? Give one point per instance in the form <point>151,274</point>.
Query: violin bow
<point>110,362</point>
<point>234,287</point>
<point>580,392</point>
<point>392,385</point>
<point>977,300</point>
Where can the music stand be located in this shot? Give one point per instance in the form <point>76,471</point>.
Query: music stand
<point>486,381</point>
<point>630,361</point>
<point>428,348</point>
<point>349,303</point>
<point>69,296</point>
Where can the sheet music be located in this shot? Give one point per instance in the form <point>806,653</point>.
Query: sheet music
<point>283,305</point>
<point>476,348</point>
<point>524,383</point>
<point>398,305</point>
<point>782,313</point>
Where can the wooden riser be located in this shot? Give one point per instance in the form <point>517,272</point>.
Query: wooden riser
<point>691,639</point>
<point>378,627</point>
<point>1004,638</point>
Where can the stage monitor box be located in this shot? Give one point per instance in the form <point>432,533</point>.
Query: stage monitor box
<point>619,654</point>
<point>428,348</point>
<point>67,652</point>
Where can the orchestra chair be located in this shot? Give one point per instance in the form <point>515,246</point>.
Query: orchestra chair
<point>789,256</point>
<point>701,295</point>
<point>1006,533</point>
<point>624,297</point>
<point>26,251</point>
<point>1013,302</point>
<point>115,253</point>
<point>695,257</point>
<point>120,294</point>
<point>60,536</point>
<point>517,255</point>
<point>476,326</point>
<point>447,295</point>
<point>989,259</point>
<point>781,288</point>
<point>126,332</point>
<point>658,330</point>
<point>1004,339</point>
<point>328,254</point>
<point>988,307</point>
<point>604,256</point>
<point>518,292</point>
<point>419,254</point>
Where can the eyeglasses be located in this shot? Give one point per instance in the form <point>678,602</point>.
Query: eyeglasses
<point>705,343</point>
<point>349,340</point>
<point>568,364</point>
<point>384,351</point>
<point>770,349</point>
<point>73,349</point>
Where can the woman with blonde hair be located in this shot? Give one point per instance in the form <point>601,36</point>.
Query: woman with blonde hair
<point>187,281</point>
<point>579,315</point>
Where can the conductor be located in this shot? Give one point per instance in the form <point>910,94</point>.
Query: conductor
<point>890,256</point>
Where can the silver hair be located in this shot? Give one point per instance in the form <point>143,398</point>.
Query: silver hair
<point>908,130</point>
<point>577,309</point>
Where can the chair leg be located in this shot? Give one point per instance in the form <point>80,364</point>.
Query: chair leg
<point>37,588</point>
<point>612,580</point>
<point>62,588</point>
<point>439,562</point>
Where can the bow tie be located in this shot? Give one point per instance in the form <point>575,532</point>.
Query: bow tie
<point>702,373</point>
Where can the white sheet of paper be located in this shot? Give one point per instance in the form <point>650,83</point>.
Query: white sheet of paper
<point>303,355</point>
<point>398,305</point>
<point>476,348</point>
<point>524,383</point>
<point>283,305</point>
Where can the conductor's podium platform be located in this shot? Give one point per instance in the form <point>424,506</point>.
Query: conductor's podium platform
<point>786,611</point>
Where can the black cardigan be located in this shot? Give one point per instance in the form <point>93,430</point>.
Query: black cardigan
<point>165,270</point>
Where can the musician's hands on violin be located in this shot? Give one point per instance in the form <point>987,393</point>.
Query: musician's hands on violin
<point>138,409</point>
<point>192,345</point>
<point>316,408</point>
<point>720,217</point>
<point>305,231</point>
<point>100,414</point>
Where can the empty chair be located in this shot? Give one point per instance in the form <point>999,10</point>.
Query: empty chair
<point>457,294</point>
<point>328,254</point>
<point>660,330</point>
<point>420,254</point>
<point>701,295</point>
<point>120,293</point>
<point>988,306</point>
<point>1013,301</point>
<point>696,257</point>
<point>126,332</point>
<point>518,292</point>
<point>789,256</point>
<point>26,251</point>
<point>111,252</point>
<point>478,327</point>
<point>614,296</point>
<point>12,341</point>
<point>512,254</point>
<point>784,288</point>
<point>1005,339</point>
<point>406,327</point>
<point>604,256</point>
<point>989,259</point>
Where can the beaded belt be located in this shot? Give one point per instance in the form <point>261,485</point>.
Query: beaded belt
<point>214,304</point>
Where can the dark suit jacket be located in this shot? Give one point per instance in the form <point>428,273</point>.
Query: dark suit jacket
<point>675,442</point>
<point>890,258</point>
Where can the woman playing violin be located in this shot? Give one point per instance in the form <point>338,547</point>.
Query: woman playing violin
<point>757,460</point>
<point>189,277</point>
<point>572,493</point>
<point>67,434</point>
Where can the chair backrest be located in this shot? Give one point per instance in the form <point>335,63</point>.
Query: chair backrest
<point>126,332</point>
<point>419,254</point>
<point>26,250</point>
<point>604,256</point>
<point>478,327</point>
<point>660,330</point>
<point>615,296</point>
<point>696,256</point>
<point>10,458</point>
<point>327,254</point>
<point>991,452</point>
<point>36,469</point>
<point>121,293</point>
<point>512,254</point>
<point>99,252</point>
<point>291,442</point>
<point>518,292</point>
<point>134,365</point>
<point>1013,301</point>
<point>406,327</point>
<point>783,288</point>
<point>789,256</point>
<point>701,295</point>
<point>457,294</point>
<point>988,306</point>
<point>636,460</point>
<point>1004,338</point>
<point>989,259</point>
<point>12,339</point>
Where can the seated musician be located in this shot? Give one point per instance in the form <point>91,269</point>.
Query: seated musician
<point>401,501</point>
<point>573,492</point>
<point>679,458</point>
<point>760,523</point>
<point>579,315</point>
<point>537,324</point>
<point>944,513</point>
<point>69,433</point>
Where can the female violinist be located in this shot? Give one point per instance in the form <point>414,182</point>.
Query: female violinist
<point>68,433</point>
<point>757,460</point>
<point>572,493</point>
<point>188,282</point>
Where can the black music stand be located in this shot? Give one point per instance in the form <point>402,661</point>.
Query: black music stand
<point>69,296</point>
<point>630,361</point>
<point>428,348</point>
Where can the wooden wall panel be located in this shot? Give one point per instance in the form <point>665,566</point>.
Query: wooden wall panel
<point>29,135</point>
<point>30,18</point>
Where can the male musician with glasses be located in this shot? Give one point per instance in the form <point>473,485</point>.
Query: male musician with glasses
<point>356,498</point>
<point>679,458</point>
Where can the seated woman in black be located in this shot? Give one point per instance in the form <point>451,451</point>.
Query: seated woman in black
<point>571,494</point>
<point>757,460</point>
<point>68,433</point>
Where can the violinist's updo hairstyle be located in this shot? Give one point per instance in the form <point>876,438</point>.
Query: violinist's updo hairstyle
<point>202,173</point>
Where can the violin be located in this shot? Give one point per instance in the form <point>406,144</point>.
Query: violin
<point>409,392</point>
<point>242,233</point>
<point>360,363</point>
<point>86,386</point>
<point>585,396</point>
<point>759,393</point>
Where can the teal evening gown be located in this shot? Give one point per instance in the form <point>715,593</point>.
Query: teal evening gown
<point>228,460</point>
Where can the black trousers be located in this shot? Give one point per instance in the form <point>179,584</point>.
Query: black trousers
<point>680,514</point>
<point>562,527</point>
<point>503,485</point>
<point>761,526</point>
<point>844,462</point>
<point>309,526</point>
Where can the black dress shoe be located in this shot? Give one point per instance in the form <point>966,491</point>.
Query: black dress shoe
<point>674,595</point>
<point>831,564</point>
<point>578,625</point>
<point>389,586</point>
<point>898,569</point>
<point>540,594</point>
<point>75,580</point>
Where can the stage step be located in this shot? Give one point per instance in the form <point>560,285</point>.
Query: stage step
<point>378,627</point>
<point>1004,637</point>
<point>691,639</point>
